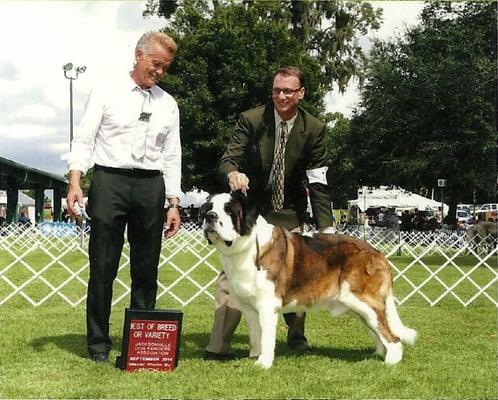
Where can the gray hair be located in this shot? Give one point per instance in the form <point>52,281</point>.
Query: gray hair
<point>159,38</point>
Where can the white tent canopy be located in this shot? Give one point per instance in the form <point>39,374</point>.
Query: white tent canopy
<point>196,197</point>
<point>24,199</point>
<point>397,198</point>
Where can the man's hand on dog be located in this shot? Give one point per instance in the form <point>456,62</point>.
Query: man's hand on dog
<point>238,181</point>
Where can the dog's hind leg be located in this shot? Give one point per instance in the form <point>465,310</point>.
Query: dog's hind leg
<point>380,350</point>
<point>268,322</point>
<point>254,333</point>
<point>337,309</point>
<point>407,335</point>
<point>376,321</point>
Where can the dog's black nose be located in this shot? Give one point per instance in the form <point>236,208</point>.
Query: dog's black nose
<point>211,216</point>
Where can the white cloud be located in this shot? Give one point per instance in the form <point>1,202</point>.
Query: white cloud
<point>9,88</point>
<point>37,112</point>
<point>342,102</point>
<point>58,147</point>
<point>397,17</point>
<point>20,131</point>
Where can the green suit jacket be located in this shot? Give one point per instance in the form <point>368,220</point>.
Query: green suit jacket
<point>251,151</point>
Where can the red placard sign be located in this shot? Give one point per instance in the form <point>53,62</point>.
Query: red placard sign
<point>151,340</point>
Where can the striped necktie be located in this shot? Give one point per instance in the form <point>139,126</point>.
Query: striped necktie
<point>277,194</point>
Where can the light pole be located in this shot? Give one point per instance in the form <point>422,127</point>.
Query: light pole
<point>71,72</point>
<point>442,184</point>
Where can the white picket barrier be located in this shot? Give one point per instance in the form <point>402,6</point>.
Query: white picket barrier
<point>40,263</point>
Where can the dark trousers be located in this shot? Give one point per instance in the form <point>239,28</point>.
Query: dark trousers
<point>117,200</point>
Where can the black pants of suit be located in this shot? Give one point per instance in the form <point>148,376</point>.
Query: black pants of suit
<point>116,201</point>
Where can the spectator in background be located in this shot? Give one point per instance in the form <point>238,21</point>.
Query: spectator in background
<point>380,217</point>
<point>23,218</point>
<point>406,221</point>
<point>344,219</point>
<point>391,220</point>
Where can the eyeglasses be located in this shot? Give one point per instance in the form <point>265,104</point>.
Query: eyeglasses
<point>286,92</point>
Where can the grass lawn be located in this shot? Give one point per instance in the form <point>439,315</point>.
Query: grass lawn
<point>43,355</point>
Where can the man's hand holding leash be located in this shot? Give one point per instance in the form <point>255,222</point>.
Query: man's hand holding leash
<point>173,221</point>
<point>74,195</point>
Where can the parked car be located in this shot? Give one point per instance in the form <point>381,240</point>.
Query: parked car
<point>463,216</point>
<point>467,207</point>
<point>487,212</point>
<point>488,207</point>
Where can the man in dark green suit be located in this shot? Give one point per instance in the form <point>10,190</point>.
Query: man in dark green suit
<point>274,145</point>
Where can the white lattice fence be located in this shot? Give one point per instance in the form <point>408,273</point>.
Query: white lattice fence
<point>49,262</point>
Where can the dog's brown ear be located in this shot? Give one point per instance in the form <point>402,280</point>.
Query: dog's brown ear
<point>250,212</point>
<point>239,195</point>
<point>207,206</point>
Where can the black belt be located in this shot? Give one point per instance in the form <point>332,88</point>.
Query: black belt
<point>133,172</point>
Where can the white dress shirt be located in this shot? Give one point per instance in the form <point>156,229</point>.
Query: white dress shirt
<point>110,133</point>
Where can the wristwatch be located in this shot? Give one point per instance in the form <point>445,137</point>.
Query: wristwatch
<point>175,206</point>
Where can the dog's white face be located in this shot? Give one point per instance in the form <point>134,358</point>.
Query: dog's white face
<point>225,219</point>
<point>217,222</point>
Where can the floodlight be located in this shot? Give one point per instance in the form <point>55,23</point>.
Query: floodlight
<point>71,72</point>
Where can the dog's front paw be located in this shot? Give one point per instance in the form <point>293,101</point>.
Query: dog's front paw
<point>264,362</point>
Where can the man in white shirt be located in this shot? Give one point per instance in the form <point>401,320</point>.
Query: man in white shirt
<point>130,133</point>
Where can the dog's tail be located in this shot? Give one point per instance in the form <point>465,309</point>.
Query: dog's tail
<point>407,335</point>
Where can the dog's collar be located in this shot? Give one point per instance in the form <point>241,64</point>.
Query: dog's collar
<point>258,266</point>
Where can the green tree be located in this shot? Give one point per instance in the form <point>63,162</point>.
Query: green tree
<point>224,66</point>
<point>341,175</point>
<point>428,110</point>
<point>330,30</point>
<point>228,53</point>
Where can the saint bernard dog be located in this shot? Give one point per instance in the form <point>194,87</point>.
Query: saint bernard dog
<point>271,270</point>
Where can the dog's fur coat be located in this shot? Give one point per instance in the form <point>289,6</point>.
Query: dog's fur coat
<point>271,270</point>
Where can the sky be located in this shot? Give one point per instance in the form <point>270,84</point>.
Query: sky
<point>39,37</point>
